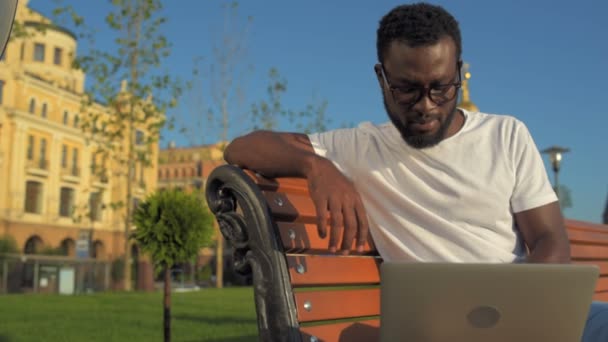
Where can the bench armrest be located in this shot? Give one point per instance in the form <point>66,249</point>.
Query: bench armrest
<point>245,221</point>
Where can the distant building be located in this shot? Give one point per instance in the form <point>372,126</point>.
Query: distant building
<point>47,166</point>
<point>187,169</point>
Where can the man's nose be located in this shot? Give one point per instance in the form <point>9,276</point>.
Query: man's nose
<point>424,104</point>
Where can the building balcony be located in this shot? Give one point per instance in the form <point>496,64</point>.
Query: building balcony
<point>71,174</point>
<point>100,179</point>
<point>38,167</point>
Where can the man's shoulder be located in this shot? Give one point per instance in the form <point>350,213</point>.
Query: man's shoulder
<point>502,122</point>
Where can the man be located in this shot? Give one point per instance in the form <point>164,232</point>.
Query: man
<point>436,183</point>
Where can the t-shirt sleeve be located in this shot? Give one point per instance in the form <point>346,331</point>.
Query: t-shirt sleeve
<point>337,146</point>
<point>532,188</point>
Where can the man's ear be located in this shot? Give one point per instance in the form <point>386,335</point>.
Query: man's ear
<point>378,71</point>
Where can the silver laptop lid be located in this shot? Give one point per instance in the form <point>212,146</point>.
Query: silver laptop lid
<point>484,302</point>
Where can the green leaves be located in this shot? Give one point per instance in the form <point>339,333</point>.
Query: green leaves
<point>172,226</point>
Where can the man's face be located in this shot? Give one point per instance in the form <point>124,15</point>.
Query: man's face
<point>423,123</point>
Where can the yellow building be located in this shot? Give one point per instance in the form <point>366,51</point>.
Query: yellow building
<point>50,189</point>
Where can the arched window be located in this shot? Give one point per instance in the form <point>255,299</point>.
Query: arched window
<point>43,112</point>
<point>76,119</point>
<point>33,245</point>
<point>98,250</point>
<point>32,108</point>
<point>68,247</point>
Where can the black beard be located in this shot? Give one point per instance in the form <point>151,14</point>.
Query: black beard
<point>417,140</point>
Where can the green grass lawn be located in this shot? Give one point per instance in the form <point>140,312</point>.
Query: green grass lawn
<point>226,315</point>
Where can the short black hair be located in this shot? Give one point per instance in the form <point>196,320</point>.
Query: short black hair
<point>417,25</point>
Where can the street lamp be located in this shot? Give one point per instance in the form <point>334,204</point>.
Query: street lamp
<point>555,156</point>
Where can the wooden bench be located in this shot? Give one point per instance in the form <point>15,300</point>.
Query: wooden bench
<point>303,293</point>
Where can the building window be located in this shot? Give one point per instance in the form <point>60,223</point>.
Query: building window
<point>94,164</point>
<point>65,117</point>
<point>64,156</point>
<point>1,92</point>
<point>39,52</point>
<point>32,108</point>
<point>30,147</point>
<point>57,56</point>
<point>136,202</point>
<point>141,172</point>
<point>75,162</point>
<point>44,110</point>
<point>139,137</point>
<point>95,206</point>
<point>75,121</point>
<point>33,197</point>
<point>42,160</point>
<point>67,202</point>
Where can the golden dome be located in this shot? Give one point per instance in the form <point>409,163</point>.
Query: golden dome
<point>465,101</point>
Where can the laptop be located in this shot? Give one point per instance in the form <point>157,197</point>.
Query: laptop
<point>437,302</point>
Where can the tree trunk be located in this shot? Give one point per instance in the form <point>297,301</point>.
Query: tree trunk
<point>219,258</point>
<point>134,82</point>
<point>167,305</point>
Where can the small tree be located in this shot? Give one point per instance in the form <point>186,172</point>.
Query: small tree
<point>172,226</point>
<point>8,244</point>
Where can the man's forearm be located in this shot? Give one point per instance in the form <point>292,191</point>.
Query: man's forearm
<point>549,249</point>
<point>272,154</point>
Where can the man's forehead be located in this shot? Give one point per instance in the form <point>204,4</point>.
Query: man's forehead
<point>436,59</point>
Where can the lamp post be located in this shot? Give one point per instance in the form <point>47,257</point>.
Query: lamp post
<point>555,156</point>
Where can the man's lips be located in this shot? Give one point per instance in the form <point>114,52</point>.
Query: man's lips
<point>425,126</point>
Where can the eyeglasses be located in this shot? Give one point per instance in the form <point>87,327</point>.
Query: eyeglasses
<point>439,93</point>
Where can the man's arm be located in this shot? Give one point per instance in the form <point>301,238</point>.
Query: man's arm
<point>292,155</point>
<point>273,154</point>
<point>544,233</point>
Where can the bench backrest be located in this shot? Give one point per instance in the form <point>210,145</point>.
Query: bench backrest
<point>301,292</point>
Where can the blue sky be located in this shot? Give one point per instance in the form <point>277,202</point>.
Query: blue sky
<point>544,62</point>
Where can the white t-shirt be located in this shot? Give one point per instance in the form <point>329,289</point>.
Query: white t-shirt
<point>453,202</point>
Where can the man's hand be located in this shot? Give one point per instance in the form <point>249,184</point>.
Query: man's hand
<point>335,196</point>
<point>292,155</point>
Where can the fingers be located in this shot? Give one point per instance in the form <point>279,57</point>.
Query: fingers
<point>321,207</point>
<point>335,210</point>
<point>350,228</point>
<point>363,226</point>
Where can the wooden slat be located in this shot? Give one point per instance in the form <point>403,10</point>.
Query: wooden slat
<point>291,207</point>
<point>588,252</point>
<point>361,331</point>
<point>603,265</point>
<point>304,238</point>
<point>288,185</point>
<point>588,226</point>
<point>314,270</point>
<point>601,296</point>
<point>588,237</point>
<point>602,284</point>
<point>337,304</point>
